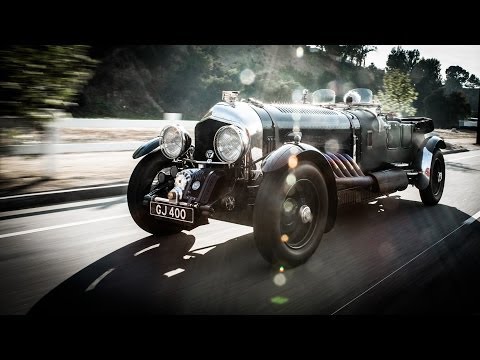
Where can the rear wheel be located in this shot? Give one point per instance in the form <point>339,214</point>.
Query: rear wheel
<point>433,193</point>
<point>140,184</point>
<point>290,214</point>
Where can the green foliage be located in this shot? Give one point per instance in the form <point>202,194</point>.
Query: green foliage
<point>398,94</point>
<point>425,73</point>
<point>146,81</point>
<point>446,109</point>
<point>403,60</point>
<point>427,78</point>
<point>452,85</point>
<point>473,82</point>
<point>458,77</point>
<point>39,80</point>
<point>457,73</point>
<point>355,54</point>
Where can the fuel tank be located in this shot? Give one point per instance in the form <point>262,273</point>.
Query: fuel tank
<point>372,139</point>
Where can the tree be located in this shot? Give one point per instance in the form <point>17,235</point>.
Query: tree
<point>356,54</point>
<point>398,94</point>
<point>37,80</point>
<point>403,60</point>
<point>457,73</point>
<point>446,109</point>
<point>459,107</point>
<point>472,82</point>
<point>456,78</point>
<point>144,81</point>
<point>427,71</point>
<point>362,53</point>
<point>427,78</point>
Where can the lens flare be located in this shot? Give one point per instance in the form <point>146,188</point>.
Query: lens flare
<point>284,238</point>
<point>297,95</point>
<point>332,146</point>
<point>288,206</point>
<point>332,85</point>
<point>247,77</point>
<point>282,269</point>
<point>291,179</point>
<point>279,300</point>
<point>299,52</point>
<point>292,163</point>
<point>279,279</point>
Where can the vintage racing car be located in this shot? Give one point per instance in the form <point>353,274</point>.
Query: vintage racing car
<point>283,168</point>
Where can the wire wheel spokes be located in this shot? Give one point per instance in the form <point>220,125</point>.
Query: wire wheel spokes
<point>299,214</point>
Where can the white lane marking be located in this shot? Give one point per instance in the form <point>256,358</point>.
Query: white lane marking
<point>146,249</point>
<point>62,191</point>
<point>174,272</point>
<point>470,220</point>
<point>97,280</point>
<point>65,206</point>
<point>204,251</point>
<point>62,226</point>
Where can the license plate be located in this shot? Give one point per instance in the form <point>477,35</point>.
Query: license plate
<point>173,212</point>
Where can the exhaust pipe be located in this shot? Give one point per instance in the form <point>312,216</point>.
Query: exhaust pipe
<point>384,182</point>
<point>389,181</point>
<point>349,175</point>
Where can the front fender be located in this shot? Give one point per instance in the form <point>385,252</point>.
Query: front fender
<point>423,160</point>
<point>146,148</point>
<point>278,159</point>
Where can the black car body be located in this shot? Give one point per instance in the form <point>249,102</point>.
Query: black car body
<point>283,168</point>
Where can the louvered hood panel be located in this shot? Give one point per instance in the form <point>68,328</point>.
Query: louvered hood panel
<point>326,129</point>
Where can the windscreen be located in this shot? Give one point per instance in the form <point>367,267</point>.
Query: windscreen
<point>323,97</point>
<point>359,95</point>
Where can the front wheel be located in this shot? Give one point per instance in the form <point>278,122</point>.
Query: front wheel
<point>433,193</point>
<point>140,184</point>
<point>290,214</point>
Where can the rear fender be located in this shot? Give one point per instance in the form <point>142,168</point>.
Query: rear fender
<point>423,160</point>
<point>278,160</point>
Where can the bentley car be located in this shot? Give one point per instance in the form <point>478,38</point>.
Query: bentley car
<point>282,168</point>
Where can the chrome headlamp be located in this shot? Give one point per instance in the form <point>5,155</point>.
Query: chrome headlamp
<point>174,141</point>
<point>230,143</point>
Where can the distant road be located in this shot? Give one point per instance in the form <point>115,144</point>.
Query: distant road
<point>57,146</point>
<point>393,256</point>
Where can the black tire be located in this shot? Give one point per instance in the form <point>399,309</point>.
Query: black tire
<point>140,185</point>
<point>433,193</point>
<point>281,234</point>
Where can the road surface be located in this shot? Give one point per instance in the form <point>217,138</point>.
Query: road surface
<point>392,256</point>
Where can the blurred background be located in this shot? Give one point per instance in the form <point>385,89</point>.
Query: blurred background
<point>72,115</point>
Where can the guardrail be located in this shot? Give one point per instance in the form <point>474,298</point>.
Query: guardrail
<point>467,123</point>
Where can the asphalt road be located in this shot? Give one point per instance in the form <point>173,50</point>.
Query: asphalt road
<point>393,256</point>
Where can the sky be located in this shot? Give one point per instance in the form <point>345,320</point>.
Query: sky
<point>466,56</point>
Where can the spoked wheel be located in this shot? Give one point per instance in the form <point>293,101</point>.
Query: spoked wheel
<point>140,184</point>
<point>290,214</point>
<point>433,193</point>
